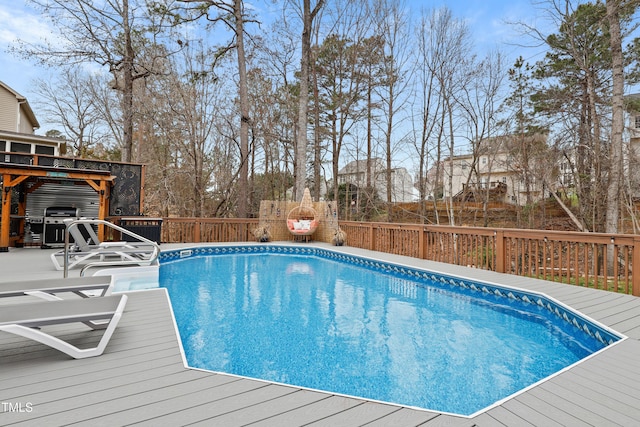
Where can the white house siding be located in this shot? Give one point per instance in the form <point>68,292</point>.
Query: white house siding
<point>633,128</point>
<point>456,173</point>
<point>491,169</point>
<point>401,181</point>
<point>25,125</point>
<point>8,111</point>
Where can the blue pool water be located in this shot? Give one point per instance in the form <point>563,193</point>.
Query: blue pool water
<point>369,330</point>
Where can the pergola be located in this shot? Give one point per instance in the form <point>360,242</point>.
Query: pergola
<point>16,174</point>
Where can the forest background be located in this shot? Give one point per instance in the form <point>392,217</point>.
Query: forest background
<point>228,105</point>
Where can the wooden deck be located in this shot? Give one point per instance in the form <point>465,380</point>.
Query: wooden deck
<point>141,378</point>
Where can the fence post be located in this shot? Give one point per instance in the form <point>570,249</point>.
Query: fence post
<point>421,248</point>
<point>635,280</point>
<point>500,251</point>
<point>372,242</point>
<point>196,232</point>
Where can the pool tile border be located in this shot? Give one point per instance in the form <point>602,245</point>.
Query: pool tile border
<point>588,326</point>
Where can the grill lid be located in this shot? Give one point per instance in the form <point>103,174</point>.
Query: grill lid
<point>61,211</point>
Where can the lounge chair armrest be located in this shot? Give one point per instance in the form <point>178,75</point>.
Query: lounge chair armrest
<point>43,295</point>
<point>109,244</point>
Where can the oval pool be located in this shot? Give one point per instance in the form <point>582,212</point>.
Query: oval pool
<point>366,328</point>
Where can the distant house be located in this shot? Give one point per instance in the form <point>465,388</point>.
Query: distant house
<point>633,114</point>
<point>18,124</point>
<point>633,132</point>
<point>355,173</point>
<point>497,174</point>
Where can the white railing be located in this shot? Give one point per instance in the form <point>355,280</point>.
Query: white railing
<point>147,261</point>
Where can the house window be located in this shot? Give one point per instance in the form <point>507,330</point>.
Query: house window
<point>484,160</point>
<point>504,179</point>
<point>43,149</point>
<point>18,147</point>
<point>637,122</point>
<point>3,145</point>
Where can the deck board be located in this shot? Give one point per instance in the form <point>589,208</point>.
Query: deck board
<point>543,404</point>
<point>311,412</point>
<point>529,412</point>
<point>364,413</point>
<point>261,409</point>
<point>408,417</point>
<point>587,409</point>
<point>141,377</point>
<point>501,416</point>
<point>221,398</point>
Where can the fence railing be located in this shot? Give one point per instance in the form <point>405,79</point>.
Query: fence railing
<point>594,260</point>
<point>201,230</point>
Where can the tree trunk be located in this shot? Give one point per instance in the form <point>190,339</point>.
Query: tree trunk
<point>317,154</point>
<point>388,147</point>
<point>303,103</point>
<point>617,120</point>
<point>568,211</point>
<point>127,90</point>
<point>243,179</point>
<point>617,125</point>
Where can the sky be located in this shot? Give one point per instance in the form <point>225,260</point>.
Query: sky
<point>486,18</point>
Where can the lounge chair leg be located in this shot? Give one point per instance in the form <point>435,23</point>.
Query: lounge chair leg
<point>65,347</point>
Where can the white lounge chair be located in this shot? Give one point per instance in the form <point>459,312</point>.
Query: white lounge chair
<point>88,248</point>
<point>23,319</point>
<point>48,288</point>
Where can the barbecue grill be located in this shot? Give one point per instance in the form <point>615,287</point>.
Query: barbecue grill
<point>54,226</point>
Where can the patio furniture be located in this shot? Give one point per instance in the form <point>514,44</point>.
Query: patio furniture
<point>48,288</point>
<point>26,320</point>
<point>303,219</point>
<point>88,248</point>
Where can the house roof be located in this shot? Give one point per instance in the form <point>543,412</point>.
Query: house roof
<point>632,101</point>
<point>27,137</point>
<point>357,166</point>
<point>24,105</point>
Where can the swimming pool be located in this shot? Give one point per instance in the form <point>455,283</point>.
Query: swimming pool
<point>360,319</point>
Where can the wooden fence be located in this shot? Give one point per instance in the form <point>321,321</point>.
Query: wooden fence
<point>203,230</point>
<point>594,260</point>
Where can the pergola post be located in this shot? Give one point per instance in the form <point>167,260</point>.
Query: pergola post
<point>5,220</point>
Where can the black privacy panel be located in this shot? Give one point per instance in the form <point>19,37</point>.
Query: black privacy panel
<point>125,193</point>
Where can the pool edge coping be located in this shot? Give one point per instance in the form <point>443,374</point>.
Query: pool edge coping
<point>622,337</point>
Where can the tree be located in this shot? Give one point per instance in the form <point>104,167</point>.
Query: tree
<point>232,14</point>
<point>584,57</point>
<point>394,29</point>
<point>427,129</point>
<point>576,69</point>
<point>69,100</point>
<point>338,70</point>
<point>277,104</point>
<point>617,120</point>
<point>478,98</point>
<point>372,78</point>
<point>524,126</point>
<point>111,33</point>
<point>308,16</point>
<point>449,44</point>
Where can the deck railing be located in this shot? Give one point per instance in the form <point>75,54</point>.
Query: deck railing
<point>201,230</point>
<point>594,260</point>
